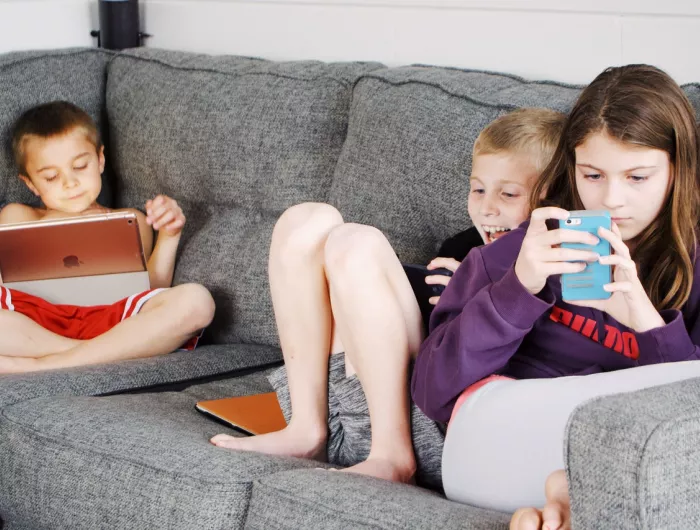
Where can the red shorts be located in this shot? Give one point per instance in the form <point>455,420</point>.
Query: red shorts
<point>78,322</point>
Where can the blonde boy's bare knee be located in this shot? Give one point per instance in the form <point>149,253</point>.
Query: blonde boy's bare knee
<point>305,226</point>
<point>354,248</point>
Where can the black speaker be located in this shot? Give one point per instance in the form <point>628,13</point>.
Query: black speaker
<point>119,24</point>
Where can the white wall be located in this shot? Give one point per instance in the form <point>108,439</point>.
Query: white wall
<point>32,24</point>
<point>554,39</point>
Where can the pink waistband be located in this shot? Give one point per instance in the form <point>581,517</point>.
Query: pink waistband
<point>464,396</point>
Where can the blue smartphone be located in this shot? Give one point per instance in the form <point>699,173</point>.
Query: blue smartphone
<point>587,284</point>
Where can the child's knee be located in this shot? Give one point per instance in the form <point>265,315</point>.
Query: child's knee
<point>197,305</point>
<point>304,226</point>
<point>353,248</point>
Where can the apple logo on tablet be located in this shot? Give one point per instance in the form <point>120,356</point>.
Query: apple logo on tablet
<point>71,261</point>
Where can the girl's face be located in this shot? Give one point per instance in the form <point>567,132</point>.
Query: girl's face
<point>629,181</point>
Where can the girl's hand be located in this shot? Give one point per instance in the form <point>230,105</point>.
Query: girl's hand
<point>540,256</point>
<point>163,213</point>
<point>439,279</point>
<point>629,303</point>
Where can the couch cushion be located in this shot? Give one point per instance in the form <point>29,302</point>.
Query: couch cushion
<point>407,158</point>
<point>180,366</point>
<point>129,461</point>
<point>336,500</point>
<point>236,141</point>
<point>31,78</point>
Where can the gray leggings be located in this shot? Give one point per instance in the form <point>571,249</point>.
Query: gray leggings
<point>509,435</point>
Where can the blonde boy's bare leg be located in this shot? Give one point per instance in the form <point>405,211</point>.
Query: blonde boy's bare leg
<point>164,323</point>
<point>301,301</point>
<point>379,322</point>
<point>20,336</point>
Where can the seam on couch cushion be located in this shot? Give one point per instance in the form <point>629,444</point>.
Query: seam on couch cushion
<point>76,445</point>
<point>316,505</point>
<point>162,62</point>
<point>62,53</point>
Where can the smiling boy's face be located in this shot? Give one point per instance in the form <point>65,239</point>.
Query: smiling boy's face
<point>499,194</point>
<point>64,171</point>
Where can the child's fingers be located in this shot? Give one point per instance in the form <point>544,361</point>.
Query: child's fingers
<point>444,263</point>
<point>433,300</point>
<point>437,279</point>
<point>615,242</point>
<point>164,220</point>
<point>619,287</point>
<point>175,225</point>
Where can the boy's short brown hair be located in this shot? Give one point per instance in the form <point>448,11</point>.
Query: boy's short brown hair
<point>48,120</point>
<point>532,132</point>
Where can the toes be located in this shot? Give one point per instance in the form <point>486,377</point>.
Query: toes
<point>526,519</point>
<point>223,440</point>
<point>554,515</point>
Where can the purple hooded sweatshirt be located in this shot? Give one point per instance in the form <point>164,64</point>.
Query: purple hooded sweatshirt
<point>487,323</point>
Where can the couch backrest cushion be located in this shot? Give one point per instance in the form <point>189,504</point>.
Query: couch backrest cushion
<point>235,141</point>
<point>31,78</point>
<point>407,158</point>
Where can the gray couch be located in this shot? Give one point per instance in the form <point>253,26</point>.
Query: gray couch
<point>236,141</point>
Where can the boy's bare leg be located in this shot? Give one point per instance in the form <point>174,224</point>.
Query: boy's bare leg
<point>304,320</point>
<point>164,323</point>
<point>20,336</point>
<point>380,324</point>
<point>556,514</point>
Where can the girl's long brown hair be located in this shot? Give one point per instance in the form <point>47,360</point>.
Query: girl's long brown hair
<point>640,105</point>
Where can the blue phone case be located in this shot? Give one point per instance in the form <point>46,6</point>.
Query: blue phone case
<point>587,284</point>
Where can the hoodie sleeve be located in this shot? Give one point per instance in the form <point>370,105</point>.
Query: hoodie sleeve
<point>475,329</point>
<point>676,341</point>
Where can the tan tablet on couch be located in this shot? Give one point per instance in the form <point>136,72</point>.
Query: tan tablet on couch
<point>257,414</point>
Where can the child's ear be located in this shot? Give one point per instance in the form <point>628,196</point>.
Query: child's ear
<point>29,184</point>
<point>101,159</point>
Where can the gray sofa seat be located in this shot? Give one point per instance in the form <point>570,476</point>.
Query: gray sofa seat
<point>145,461</point>
<point>310,498</point>
<point>130,461</point>
<point>177,367</point>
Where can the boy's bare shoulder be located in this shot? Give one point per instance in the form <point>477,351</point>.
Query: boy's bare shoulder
<point>19,213</point>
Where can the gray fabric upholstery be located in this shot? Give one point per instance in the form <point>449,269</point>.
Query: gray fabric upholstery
<point>31,78</point>
<point>236,141</point>
<point>131,461</point>
<point>406,162</point>
<point>634,459</point>
<point>335,500</point>
<point>107,378</point>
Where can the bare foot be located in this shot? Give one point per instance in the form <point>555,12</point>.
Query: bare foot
<point>290,441</point>
<point>386,469</point>
<point>556,514</point>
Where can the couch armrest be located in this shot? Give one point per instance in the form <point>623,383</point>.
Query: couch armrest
<point>633,459</point>
<point>126,375</point>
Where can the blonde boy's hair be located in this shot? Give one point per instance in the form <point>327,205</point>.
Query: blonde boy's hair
<point>531,132</point>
